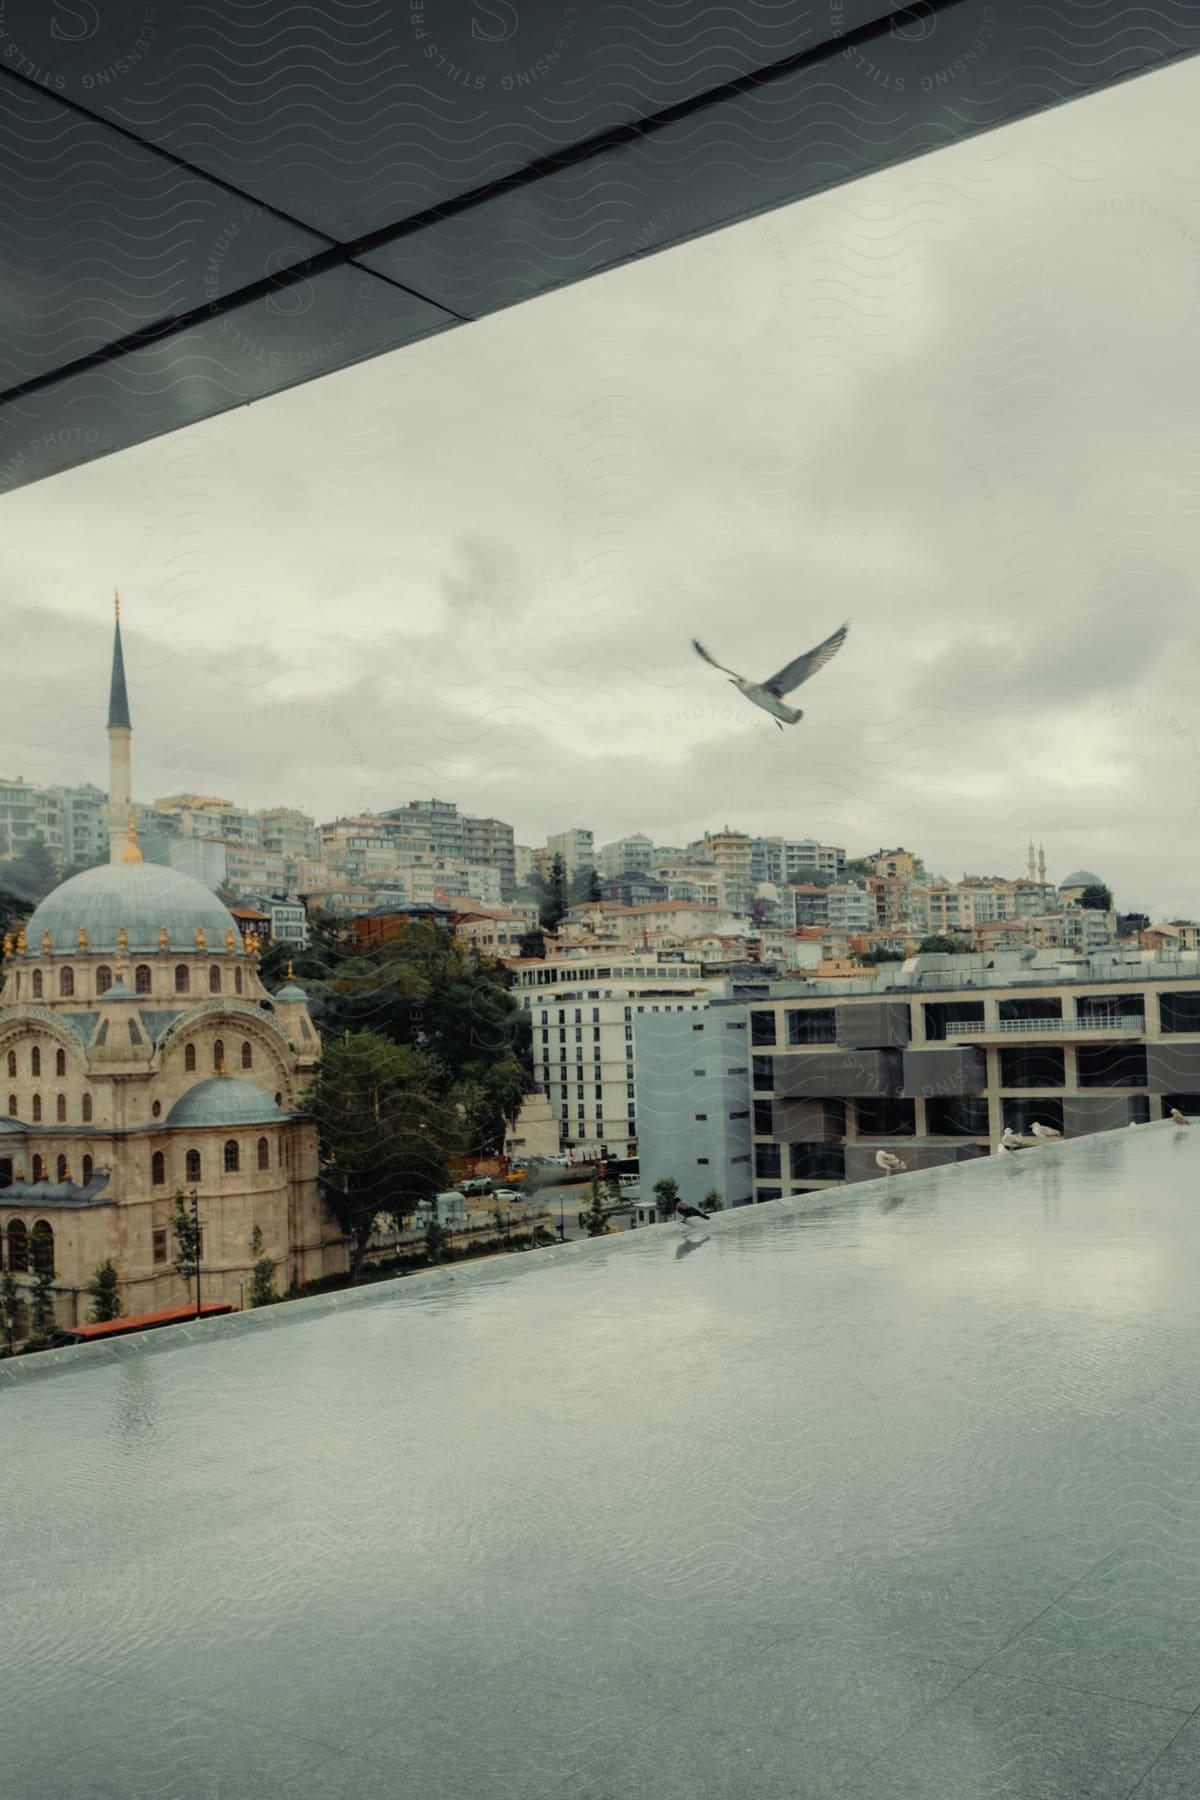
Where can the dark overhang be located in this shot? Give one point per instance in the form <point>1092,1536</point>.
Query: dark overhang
<point>206,205</point>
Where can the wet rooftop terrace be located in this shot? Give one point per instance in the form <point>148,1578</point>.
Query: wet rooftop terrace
<point>892,1496</point>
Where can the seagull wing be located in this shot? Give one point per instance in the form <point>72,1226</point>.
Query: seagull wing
<point>698,647</point>
<point>793,673</point>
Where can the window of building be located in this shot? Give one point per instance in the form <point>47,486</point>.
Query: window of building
<point>41,1245</point>
<point>769,1193</point>
<point>886,1117</point>
<point>60,1109</point>
<point>764,1072</point>
<point>699,1071</point>
<point>158,1168</point>
<point>218,1053</point>
<point>192,1165</point>
<point>37,984</point>
<point>628,1012</point>
<point>189,1056</point>
<point>160,1246</point>
<point>629,1053</point>
<point>60,1062</point>
<point>88,1170</point>
<point>811,1025</point>
<point>762,1027</point>
<point>237,981</point>
<point>739,1115</point>
<point>18,1247</point>
<point>767,1162</point>
<point>35,1061</point>
<point>12,1062</point>
<point>66,983</point>
<point>700,1116</point>
<point>699,1027</point>
<point>247,1056</point>
<point>12,1106</point>
<point>1041,1065</point>
<point>214,980</point>
<point>264,1154</point>
<point>182,979</point>
<point>817,1162</point>
<point>37,1109</point>
<point>141,979</point>
<point>630,1090</point>
<point>578,1033</point>
<point>87,1109</point>
<point>231,1156</point>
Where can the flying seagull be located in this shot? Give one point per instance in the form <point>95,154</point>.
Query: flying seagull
<point>769,694</point>
<point>1179,1118</point>
<point>885,1160</point>
<point>1045,1132</point>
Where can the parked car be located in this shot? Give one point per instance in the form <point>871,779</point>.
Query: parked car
<point>505,1194</point>
<point>477,1184</point>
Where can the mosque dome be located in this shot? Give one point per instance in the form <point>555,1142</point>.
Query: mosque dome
<point>291,990</point>
<point>140,896</point>
<point>1079,878</point>
<point>224,1100</point>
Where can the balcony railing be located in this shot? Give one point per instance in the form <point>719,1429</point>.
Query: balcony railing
<point>1107,1022</point>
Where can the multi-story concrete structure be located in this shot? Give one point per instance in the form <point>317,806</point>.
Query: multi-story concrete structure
<point>931,1059</point>
<point>634,888</point>
<point>27,813</point>
<point>489,843</point>
<point>899,863</point>
<point>291,834</point>
<point>84,838</point>
<point>625,855</point>
<point>576,849</point>
<point>850,907</point>
<point>809,904</point>
<point>582,1014</point>
<point>444,822</point>
<point>204,815</point>
<point>782,860</point>
<point>731,852</point>
<point>693,1104</point>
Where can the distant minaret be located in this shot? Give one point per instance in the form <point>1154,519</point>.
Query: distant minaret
<point>1032,862</point>
<point>120,796</point>
<point>1041,865</point>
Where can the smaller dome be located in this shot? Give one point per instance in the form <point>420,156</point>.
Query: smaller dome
<point>224,1100</point>
<point>118,990</point>
<point>291,990</point>
<point>1080,878</point>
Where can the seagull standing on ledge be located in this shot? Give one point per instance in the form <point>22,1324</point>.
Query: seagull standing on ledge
<point>1045,1132</point>
<point>685,1210</point>
<point>1013,1141</point>
<point>769,694</point>
<point>1179,1118</point>
<point>885,1160</point>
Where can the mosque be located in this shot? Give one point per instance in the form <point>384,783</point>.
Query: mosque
<point>141,1056</point>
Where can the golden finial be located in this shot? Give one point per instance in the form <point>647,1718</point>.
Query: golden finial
<point>229,938</point>
<point>83,943</point>
<point>221,1066</point>
<point>45,940</point>
<point>117,974</point>
<point>290,976</point>
<point>8,943</point>
<point>132,854</point>
<point>122,938</point>
<point>116,604</point>
<point>20,1173</point>
<point>199,937</point>
<point>20,941</point>
<point>162,937</point>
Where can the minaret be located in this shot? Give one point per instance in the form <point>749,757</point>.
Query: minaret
<point>1032,863</point>
<point>120,795</point>
<point>1041,865</point>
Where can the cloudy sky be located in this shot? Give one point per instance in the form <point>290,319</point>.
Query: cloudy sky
<point>957,404</point>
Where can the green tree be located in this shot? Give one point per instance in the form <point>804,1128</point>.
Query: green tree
<point>385,1131</point>
<point>666,1193</point>
<point>594,1220</point>
<point>1096,897</point>
<point>186,1262</point>
<point>554,901</point>
<point>33,871</point>
<point>858,868</point>
<point>712,1202</point>
<point>105,1290</point>
<point>262,1275</point>
<point>41,1286</point>
<point>533,942</point>
<point>14,1314</point>
<point>612,1191</point>
<point>437,1242</point>
<point>944,946</point>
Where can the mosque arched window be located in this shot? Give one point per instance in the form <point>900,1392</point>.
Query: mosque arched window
<point>60,1109</point>
<point>39,1169</point>
<point>264,1154</point>
<point>41,1245</point>
<point>12,1106</point>
<point>88,1169</point>
<point>182,979</point>
<point>237,981</point>
<point>189,1056</point>
<point>60,1062</point>
<point>37,1109</point>
<point>35,1061</point>
<point>158,1168</point>
<point>218,1054</point>
<point>37,984</point>
<point>66,983</point>
<point>214,980</point>
<point>61,1169</point>
<point>247,1056</point>
<point>87,1109</point>
<point>142,980</point>
<point>231,1157</point>
<point>18,1247</point>
<point>193,1165</point>
<point>12,1062</point>
<point>103,978</point>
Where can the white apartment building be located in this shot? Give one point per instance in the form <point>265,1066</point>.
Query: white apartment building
<point>850,908</point>
<point>576,849</point>
<point>582,1015</point>
<point>781,860</point>
<point>627,853</point>
<point>27,813</point>
<point>203,815</point>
